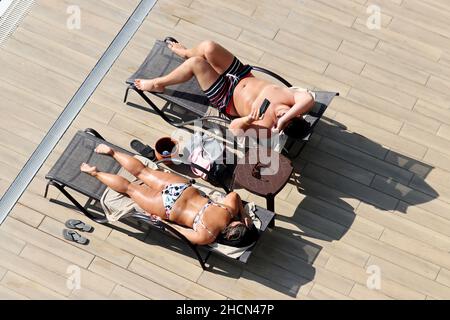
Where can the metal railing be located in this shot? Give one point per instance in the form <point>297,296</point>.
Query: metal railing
<point>72,109</point>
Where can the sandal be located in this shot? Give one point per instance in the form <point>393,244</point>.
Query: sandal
<point>143,149</point>
<point>74,236</point>
<point>79,225</point>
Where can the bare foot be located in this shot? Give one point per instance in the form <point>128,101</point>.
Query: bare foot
<point>177,48</point>
<point>104,149</point>
<point>148,85</point>
<point>91,170</point>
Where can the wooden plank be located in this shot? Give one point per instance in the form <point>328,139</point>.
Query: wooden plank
<point>293,283</point>
<point>413,59</point>
<point>200,19</point>
<point>284,52</point>
<point>394,111</point>
<point>425,138</point>
<point>391,253</point>
<point>88,280</point>
<point>320,292</point>
<point>297,42</point>
<point>367,84</point>
<point>384,62</point>
<point>131,280</point>
<point>350,187</point>
<point>11,243</point>
<point>8,294</point>
<point>172,281</point>
<point>358,111</point>
<point>319,81</point>
<point>360,292</point>
<point>438,159</point>
<point>308,205</point>
<point>411,279</point>
<point>215,9</point>
<point>24,287</point>
<point>382,138</point>
<point>425,218</point>
<point>299,19</point>
<point>444,277</point>
<point>365,161</point>
<point>325,246</point>
<point>416,248</point>
<point>360,275</point>
<point>44,241</point>
<point>325,11</point>
<point>436,35</point>
<point>357,10</point>
<point>96,246</point>
<point>152,252</point>
<point>418,46</point>
<point>27,215</point>
<point>34,272</point>
<point>123,293</point>
<point>336,165</point>
<point>237,48</point>
<point>434,182</point>
<point>398,223</point>
<point>404,85</point>
<point>411,196</point>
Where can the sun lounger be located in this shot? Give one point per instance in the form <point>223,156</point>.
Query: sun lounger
<point>189,96</point>
<point>65,175</point>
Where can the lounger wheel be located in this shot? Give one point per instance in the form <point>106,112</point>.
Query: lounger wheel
<point>171,39</point>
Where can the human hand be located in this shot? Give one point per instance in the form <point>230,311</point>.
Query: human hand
<point>247,220</point>
<point>253,116</point>
<point>279,126</point>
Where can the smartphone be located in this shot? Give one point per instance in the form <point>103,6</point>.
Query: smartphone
<point>263,108</point>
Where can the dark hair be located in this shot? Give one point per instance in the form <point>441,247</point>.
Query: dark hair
<point>238,235</point>
<point>297,128</point>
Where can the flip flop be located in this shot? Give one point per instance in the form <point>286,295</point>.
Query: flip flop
<point>79,225</point>
<point>143,149</point>
<point>74,236</point>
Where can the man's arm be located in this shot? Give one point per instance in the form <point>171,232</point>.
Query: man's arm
<point>240,125</point>
<point>303,104</point>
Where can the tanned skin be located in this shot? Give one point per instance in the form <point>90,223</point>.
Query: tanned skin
<point>207,62</point>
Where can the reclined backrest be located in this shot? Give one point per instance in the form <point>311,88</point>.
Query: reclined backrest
<point>66,170</point>
<point>160,61</point>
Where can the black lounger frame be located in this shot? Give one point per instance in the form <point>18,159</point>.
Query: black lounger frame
<point>62,186</point>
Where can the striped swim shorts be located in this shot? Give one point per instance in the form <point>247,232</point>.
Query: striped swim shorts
<point>221,91</point>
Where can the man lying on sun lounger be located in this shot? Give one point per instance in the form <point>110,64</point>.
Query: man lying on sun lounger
<point>232,88</point>
<point>173,198</point>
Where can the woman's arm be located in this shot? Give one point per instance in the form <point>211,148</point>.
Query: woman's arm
<point>194,236</point>
<point>237,207</point>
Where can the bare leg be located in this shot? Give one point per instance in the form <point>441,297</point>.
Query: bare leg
<point>216,55</point>
<point>157,180</point>
<point>195,66</point>
<point>148,199</point>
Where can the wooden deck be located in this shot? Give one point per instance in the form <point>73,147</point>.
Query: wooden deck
<point>371,189</point>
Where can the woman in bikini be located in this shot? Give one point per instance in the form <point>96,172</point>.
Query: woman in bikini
<point>172,197</point>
